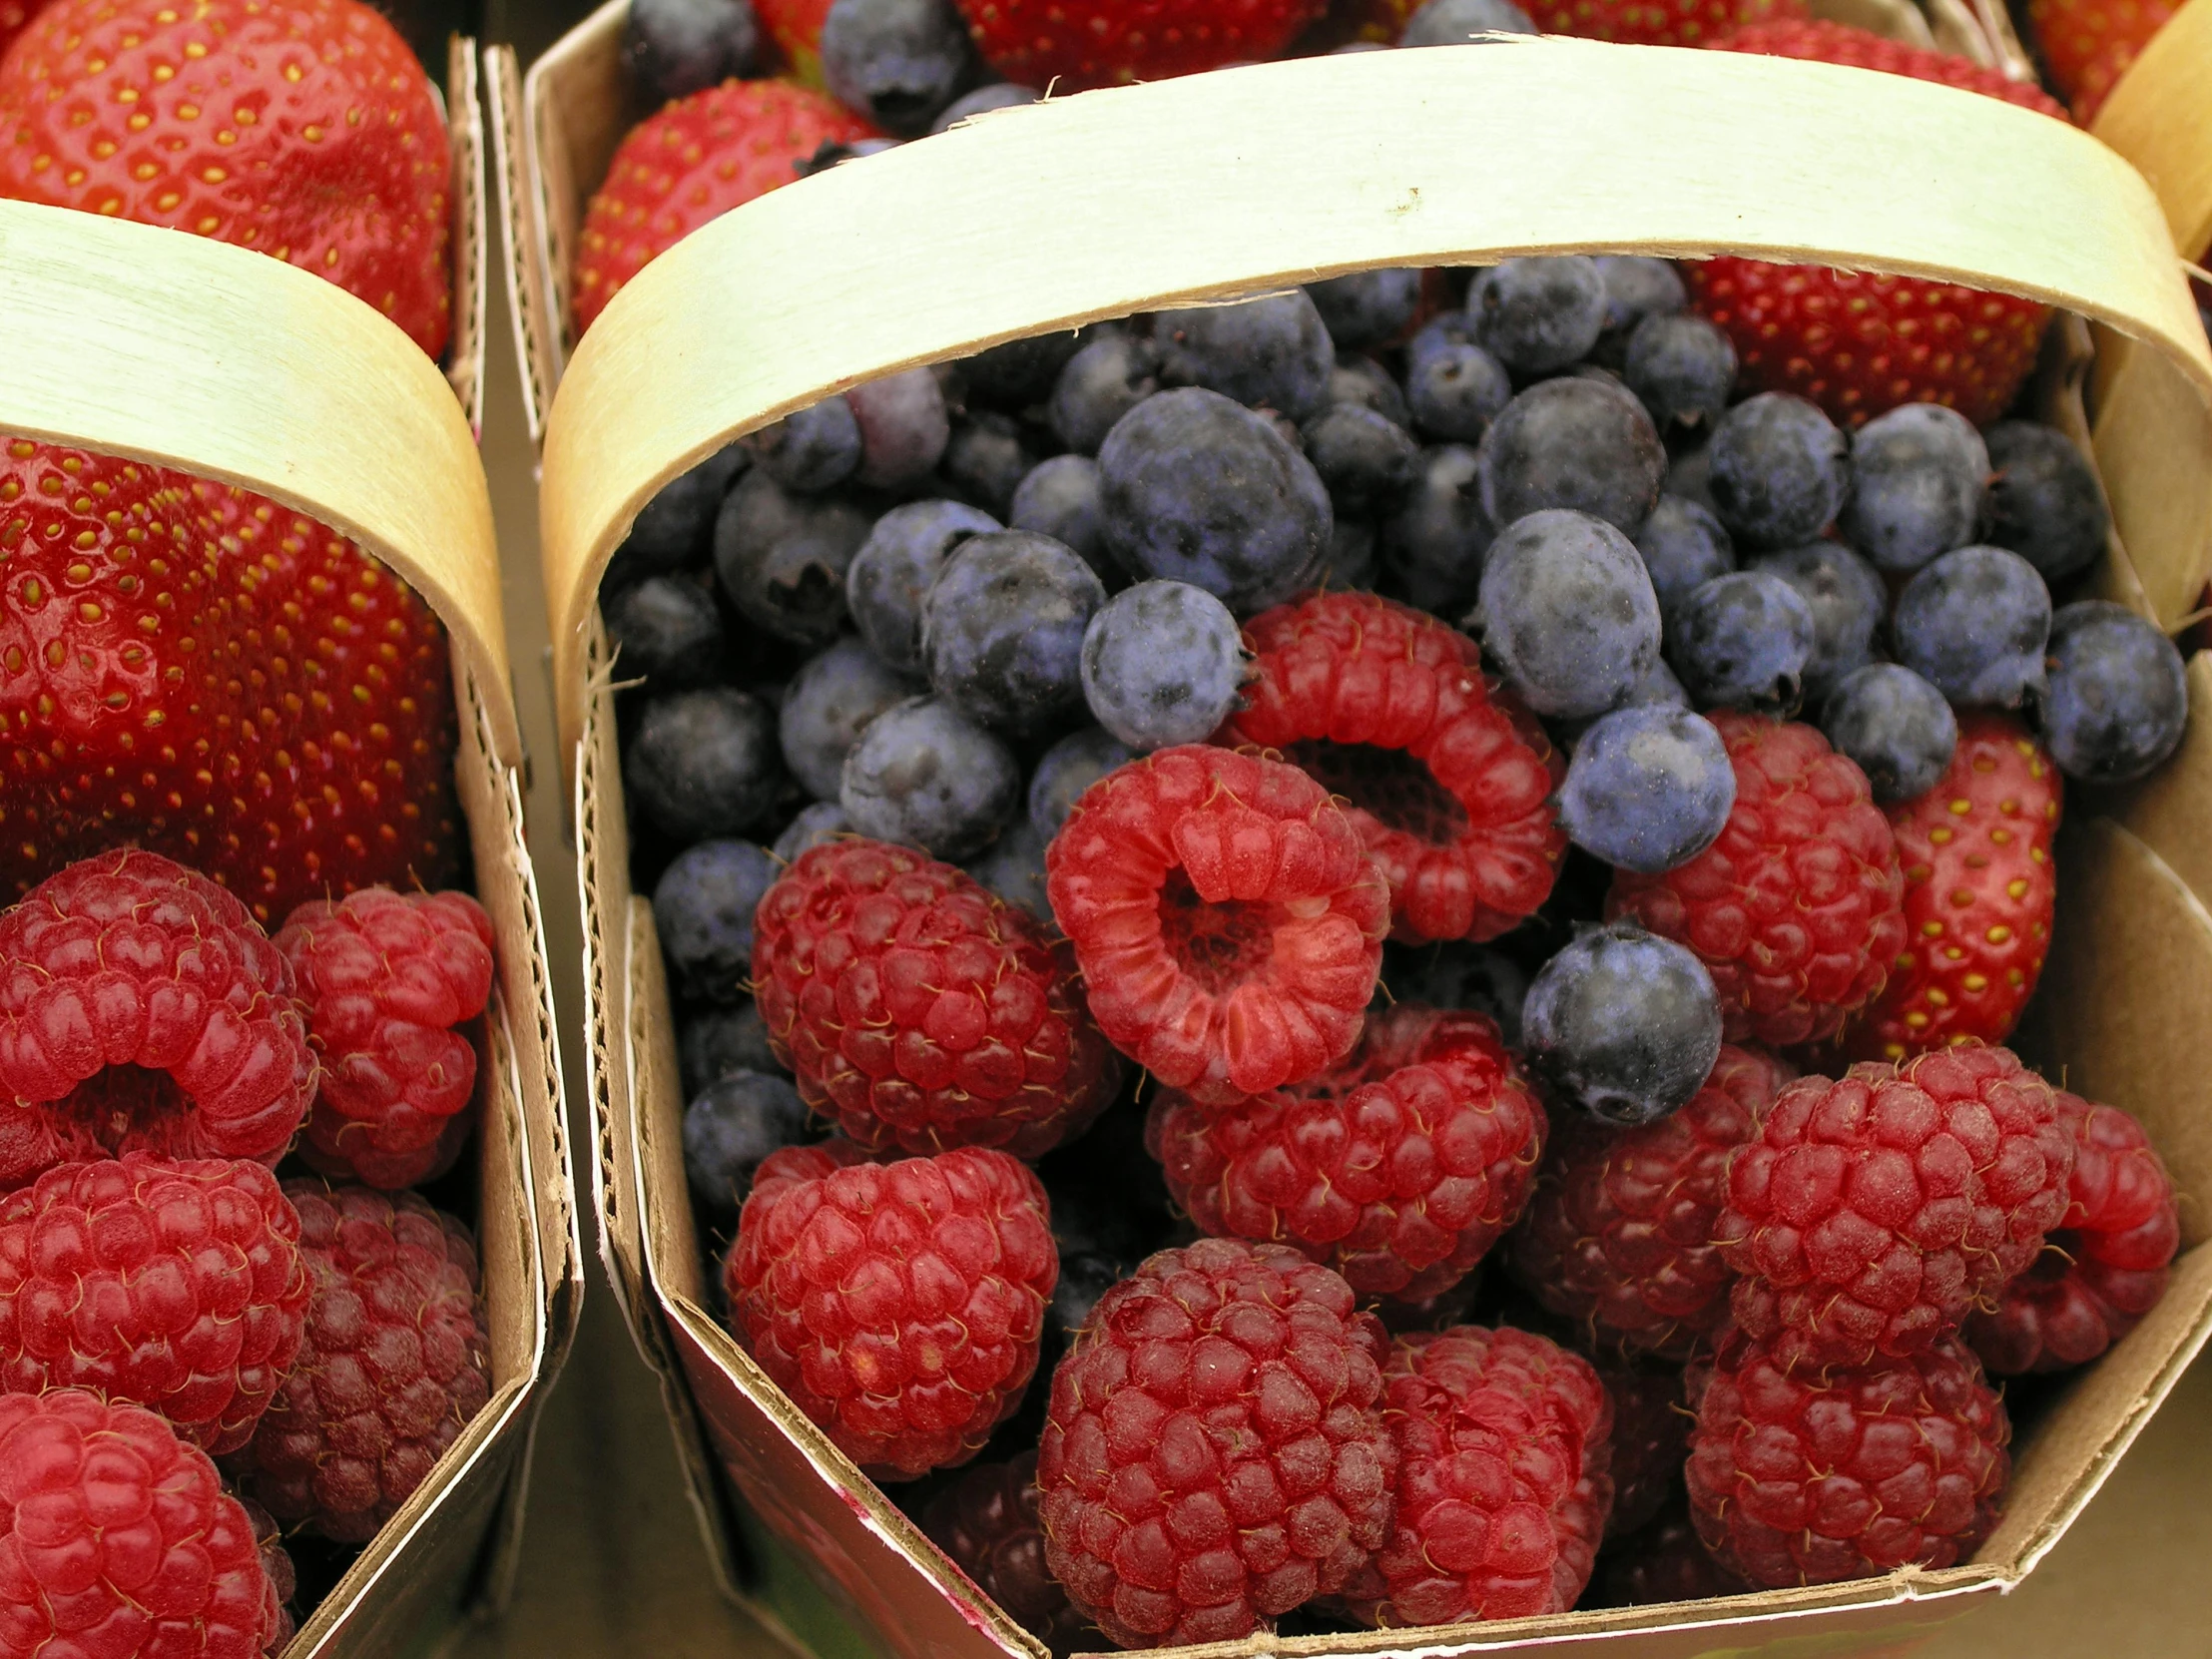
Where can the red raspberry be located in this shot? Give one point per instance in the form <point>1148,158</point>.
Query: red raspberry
<point>1666,1562</point>
<point>284,1578</point>
<point>1504,1446</point>
<point>385,977</point>
<point>1446,775</point>
<point>1796,909</point>
<point>919,1011</point>
<point>1618,1236</point>
<point>2105,1266</point>
<point>1227,919</point>
<point>1810,1476</point>
<point>898,1305</point>
<point>130,959</point>
<point>987,1521</point>
<point>1651,1434</point>
<point>1398,1167</point>
<point>117,1540</point>
<point>1213,1458</point>
<point>1871,1214</point>
<point>177,1286</point>
<point>396,1362</point>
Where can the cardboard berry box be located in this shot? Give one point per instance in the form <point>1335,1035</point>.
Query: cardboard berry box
<point>2158,118</point>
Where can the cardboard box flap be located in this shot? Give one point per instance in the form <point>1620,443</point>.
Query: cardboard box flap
<point>471,229</point>
<point>2160,118</point>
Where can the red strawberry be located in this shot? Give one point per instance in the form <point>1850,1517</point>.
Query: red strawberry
<point>1101,43</point>
<point>1979,885</point>
<point>1859,344</point>
<point>2088,44</point>
<point>303,127</point>
<point>692,162</point>
<point>795,26</point>
<point>1655,22</point>
<point>15,16</point>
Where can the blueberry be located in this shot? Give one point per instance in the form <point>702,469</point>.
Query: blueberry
<point>713,1042</point>
<point>1779,470</point>
<point>1895,726</point>
<point>1162,663</point>
<point>1572,444</point>
<point>1199,489</point>
<point>1365,459</point>
<point>1974,624</point>
<point>1085,1276</point>
<point>1002,629</point>
<point>1433,544</point>
<point>1351,562</point>
<point>1066,770</point>
<point>1657,689</point>
<point>1536,315</point>
<point>1272,351</point>
<point>1684,547</point>
<point>903,428</point>
<point>731,1128</point>
<point>1013,868</point>
<point>999,95</point>
<point>890,574</point>
<point>1363,381</point>
<point>1019,372</point>
<point>782,558</point>
<point>1454,22</point>
<point>897,62</point>
<point>1623,1025</point>
<point>830,152</point>
<point>2044,503</point>
<point>1060,498</point>
<point>1366,307</point>
<point>927,775</point>
<point>1103,382</point>
<point>1455,390</point>
<point>823,821</point>
<point>704,763</point>
<point>985,460</point>
<point>1567,615</point>
<point>674,48</point>
<point>1637,287</point>
<point>1916,478</point>
<point>1742,641</point>
<point>1690,475</point>
<point>827,705</point>
<point>1847,600</point>
<point>667,631</point>
<point>1650,787</point>
<point>810,449</point>
<point>677,527</point>
<point>1681,367</point>
<point>1440,333</point>
<point>703,909</point>
<point>1455,974</point>
<point>2119,696</point>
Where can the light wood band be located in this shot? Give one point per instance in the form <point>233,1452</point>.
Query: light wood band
<point>2160,118</point>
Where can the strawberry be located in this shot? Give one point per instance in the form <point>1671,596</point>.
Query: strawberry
<point>796,26</point>
<point>2088,44</point>
<point>303,127</point>
<point>1081,44</point>
<point>692,162</point>
<point>1859,344</point>
<point>1655,22</point>
<point>194,669</point>
<point>14,15</point>
<point>1980,884</point>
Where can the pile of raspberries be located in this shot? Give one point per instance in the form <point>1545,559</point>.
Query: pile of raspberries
<point>196,1355</point>
<point>1744,1345</point>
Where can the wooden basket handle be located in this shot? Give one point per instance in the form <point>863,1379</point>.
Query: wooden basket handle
<point>2160,118</point>
<point>167,347</point>
<point>1114,202</point>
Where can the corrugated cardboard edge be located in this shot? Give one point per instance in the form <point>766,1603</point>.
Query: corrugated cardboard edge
<point>464,126</point>
<point>2159,116</point>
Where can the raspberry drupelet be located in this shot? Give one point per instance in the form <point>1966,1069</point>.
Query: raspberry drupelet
<point>1651,1433</point>
<point>987,1521</point>
<point>1446,775</point>
<point>1226,915</point>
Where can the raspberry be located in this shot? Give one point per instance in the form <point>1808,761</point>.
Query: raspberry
<point>1447,778</point>
<point>396,1362</point>
<point>1398,1167</point>
<point>987,1521</point>
<point>898,1305</point>
<point>177,1286</point>
<point>1213,1458</point>
<point>1651,1433</point>
<point>284,1578</point>
<point>1808,1478</point>
<point>385,977</point>
<point>130,959</point>
<point>1226,915</point>
<point>117,1540</point>
<point>1618,1236</point>
<point>1666,1562</point>
<point>1796,909</point>
<point>2105,1266</point>
<point>1504,1446</point>
<point>1871,1214</point>
<point>919,1011</point>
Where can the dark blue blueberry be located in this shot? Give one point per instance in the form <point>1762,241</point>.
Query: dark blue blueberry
<point>1162,663</point>
<point>703,909</point>
<point>1351,559</point>
<point>1574,443</point>
<point>1199,489</point>
<point>1681,367</point>
<point>2119,696</point>
<point>810,449</point>
<point>1974,624</point>
<point>1650,787</point>
<point>891,575</point>
<point>1104,381</point>
<point>1658,689</point>
<point>1066,770</point>
<point>1742,641</point>
<point>677,527</point>
<point>1366,307</point>
<point>1455,22</point>
<point>924,775</point>
<point>1272,353</point>
<point>668,632</point>
<point>1637,287</point>
<point>1060,498</point>
<point>823,821</point>
<point>782,558</point>
<point>828,703</point>
<point>1364,381</point>
<point>1568,615</point>
<point>1013,868</point>
<point>2044,503</point>
<point>831,152</point>
<point>1917,482</point>
<point>704,763</point>
<point>1848,602</point>
<point>1085,1276</point>
<point>1019,372</point>
<point>1365,459</point>
<point>1684,547</point>
<point>1433,544</point>
<point>1002,629</point>
<point>674,48</point>
<point>903,428</point>
<point>985,460</point>
<point>1690,475</point>
<point>713,1042</point>
<point>1439,333</point>
<point>1536,315</point>
<point>896,62</point>
<point>999,95</point>
<point>1455,390</point>
<point>1779,470</point>
<point>1895,726</point>
<point>1622,1025</point>
<point>1455,974</point>
<point>731,1128</point>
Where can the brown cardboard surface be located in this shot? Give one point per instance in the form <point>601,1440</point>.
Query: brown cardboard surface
<point>2160,118</point>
